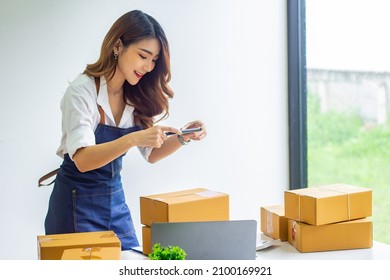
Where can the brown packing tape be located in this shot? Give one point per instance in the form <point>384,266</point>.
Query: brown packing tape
<point>299,207</point>
<point>92,253</point>
<point>269,222</point>
<point>91,250</point>
<point>353,192</point>
<point>348,204</point>
<point>338,189</point>
<point>305,193</point>
<point>344,189</point>
<point>299,193</point>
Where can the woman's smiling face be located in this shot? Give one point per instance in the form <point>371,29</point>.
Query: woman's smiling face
<point>137,59</point>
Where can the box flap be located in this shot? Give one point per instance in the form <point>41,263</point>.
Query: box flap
<point>77,239</point>
<point>185,196</point>
<point>343,188</point>
<point>277,209</point>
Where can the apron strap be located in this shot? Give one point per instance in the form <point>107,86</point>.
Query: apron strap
<point>47,176</point>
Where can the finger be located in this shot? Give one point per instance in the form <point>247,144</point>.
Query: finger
<point>201,136</point>
<point>163,137</point>
<point>158,143</point>
<point>194,124</point>
<point>170,129</point>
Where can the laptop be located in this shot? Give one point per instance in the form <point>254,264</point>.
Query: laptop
<point>212,240</point>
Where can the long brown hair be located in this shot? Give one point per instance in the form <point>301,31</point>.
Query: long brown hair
<point>150,95</point>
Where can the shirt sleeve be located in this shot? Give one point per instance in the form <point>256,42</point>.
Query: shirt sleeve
<point>77,119</point>
<point>145,152</point>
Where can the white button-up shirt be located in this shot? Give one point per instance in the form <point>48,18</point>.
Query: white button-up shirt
<point>80,115</point>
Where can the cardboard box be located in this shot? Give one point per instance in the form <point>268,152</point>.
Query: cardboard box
<point>356,234</point>
<point>92,253</point>
<point>51,247</point>
<point>146,240</point>
<point>194,205</point>
<point>328,204</point>
<point>273,222</point>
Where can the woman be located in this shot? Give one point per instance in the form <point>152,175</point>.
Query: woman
<point>109,109</point>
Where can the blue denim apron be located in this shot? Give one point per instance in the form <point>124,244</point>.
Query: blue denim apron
<point>93,200</point>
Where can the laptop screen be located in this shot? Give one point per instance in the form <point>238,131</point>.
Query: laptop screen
<point>212,240</point>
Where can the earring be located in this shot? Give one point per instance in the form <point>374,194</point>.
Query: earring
<point>115,56</point>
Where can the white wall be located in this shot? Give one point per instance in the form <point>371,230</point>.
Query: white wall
<point>229,70</point>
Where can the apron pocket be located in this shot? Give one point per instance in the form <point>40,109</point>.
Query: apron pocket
<point>91,209</point>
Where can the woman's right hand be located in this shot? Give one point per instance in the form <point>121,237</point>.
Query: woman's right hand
<point>152,137</point>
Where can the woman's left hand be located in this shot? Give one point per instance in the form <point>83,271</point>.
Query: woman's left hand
<point>196,135</point>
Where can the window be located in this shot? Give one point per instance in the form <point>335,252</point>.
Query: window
<point>339,114</point>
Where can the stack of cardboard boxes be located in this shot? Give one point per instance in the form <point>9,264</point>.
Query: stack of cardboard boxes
<point>193,205</point>
<point>331,217</point>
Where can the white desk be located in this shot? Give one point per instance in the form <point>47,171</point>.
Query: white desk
<point>285,251</point>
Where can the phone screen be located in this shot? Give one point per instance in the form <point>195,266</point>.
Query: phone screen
<point>187,131</point>
<point>191,130</point>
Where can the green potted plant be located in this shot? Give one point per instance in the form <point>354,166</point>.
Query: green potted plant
<point>160,252</point>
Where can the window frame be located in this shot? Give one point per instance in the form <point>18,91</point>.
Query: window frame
<point>297,93</point>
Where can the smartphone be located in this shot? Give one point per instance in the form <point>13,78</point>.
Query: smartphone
<point>187,131</point>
